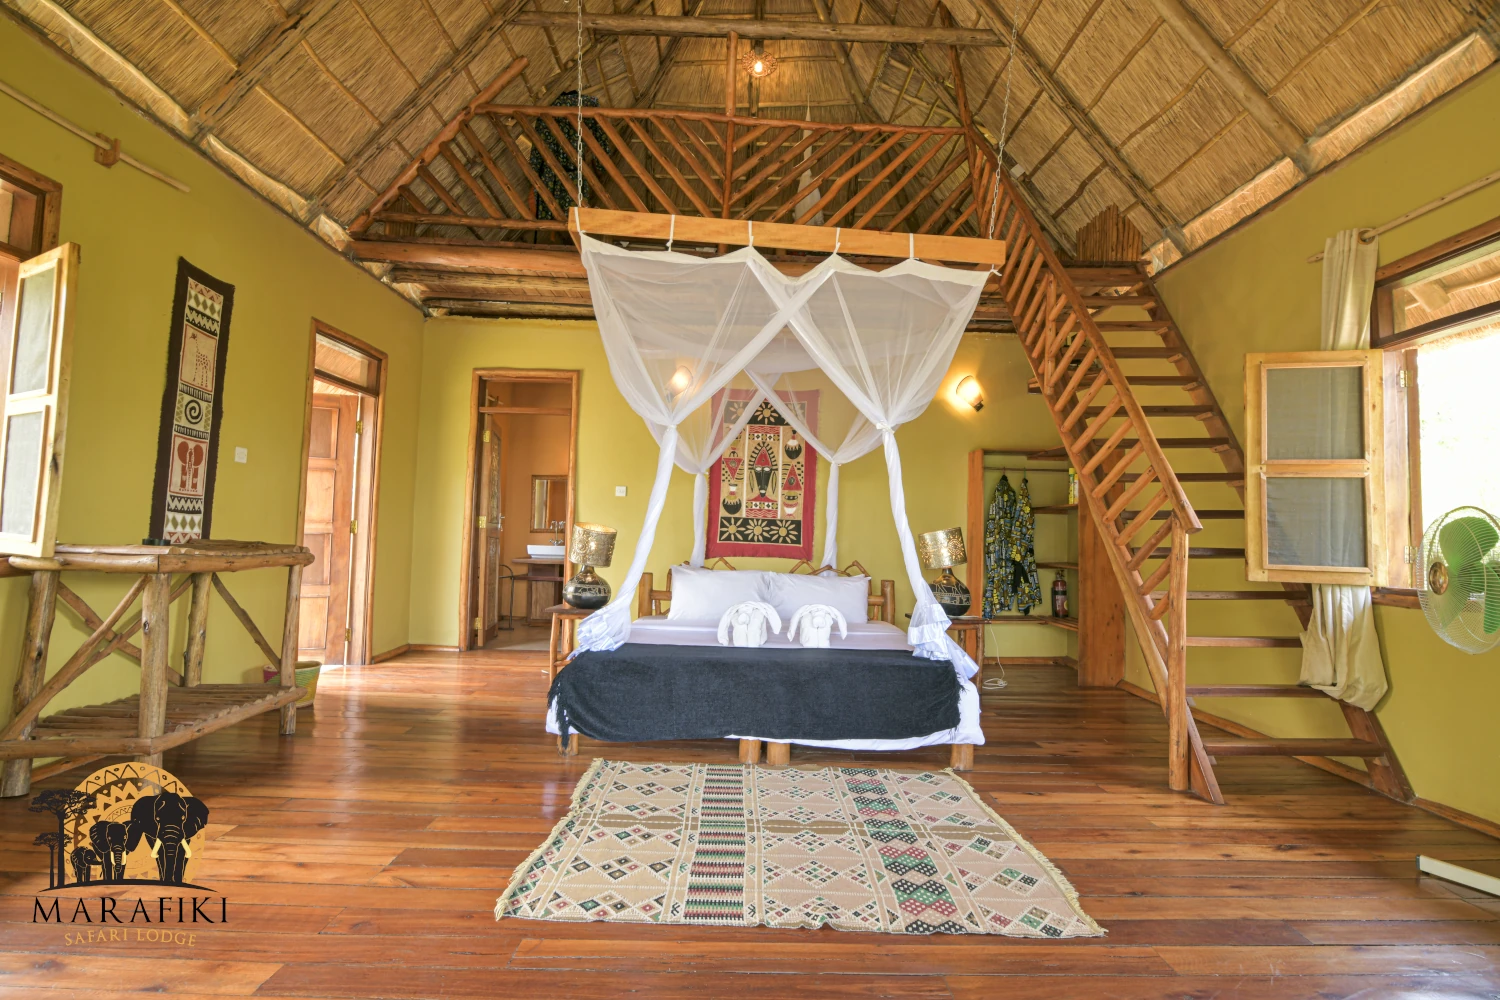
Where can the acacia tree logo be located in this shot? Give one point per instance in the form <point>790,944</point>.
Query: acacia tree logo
<point>127,822</point>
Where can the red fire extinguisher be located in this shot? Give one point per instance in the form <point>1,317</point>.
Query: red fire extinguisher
<point>1060,596</point>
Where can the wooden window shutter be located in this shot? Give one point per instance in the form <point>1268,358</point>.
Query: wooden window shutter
<point>1315,477</point>
<point>40,345</point>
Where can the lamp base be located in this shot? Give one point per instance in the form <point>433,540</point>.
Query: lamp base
<point>952,596</point>
<point>586,590</point>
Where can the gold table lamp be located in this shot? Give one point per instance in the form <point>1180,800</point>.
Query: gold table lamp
<point>592,545</point>
<point>943,550</point>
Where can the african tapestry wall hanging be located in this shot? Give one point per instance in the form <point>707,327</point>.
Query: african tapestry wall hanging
<point>761,492</point>
<point>192,408</point>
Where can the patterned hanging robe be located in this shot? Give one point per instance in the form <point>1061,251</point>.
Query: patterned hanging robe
<point>1009,552</point>
<point>565,150</point>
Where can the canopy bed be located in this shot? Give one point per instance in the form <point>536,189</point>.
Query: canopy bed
<point>680,331</point>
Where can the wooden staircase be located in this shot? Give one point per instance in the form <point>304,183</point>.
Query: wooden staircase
<point>1078,324</point>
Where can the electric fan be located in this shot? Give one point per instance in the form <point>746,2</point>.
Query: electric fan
<point>1460,595</point>
<point>1460,584</point>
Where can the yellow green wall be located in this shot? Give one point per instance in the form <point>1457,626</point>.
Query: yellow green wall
<point>1253,291</point>
<point>132,229</point>
<point>615,449</point>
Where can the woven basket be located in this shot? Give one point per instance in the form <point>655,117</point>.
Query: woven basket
<point>306,677</point>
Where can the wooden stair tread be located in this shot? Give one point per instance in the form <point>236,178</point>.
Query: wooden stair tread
<point>1184,381</point>
<point>1290,596</point>
<point>1245,641</point>
<point>1202,553</point>
<point>1132,325</point>
<point>1232,478</point>
<point>1103,301</point>
<point>1253,691</point>
<point>1203,515</point>
<point>1292,748</point>
<point>1104,275</point>
<point>1190,410</point>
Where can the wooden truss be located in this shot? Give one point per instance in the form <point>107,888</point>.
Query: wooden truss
<point>501,172</point>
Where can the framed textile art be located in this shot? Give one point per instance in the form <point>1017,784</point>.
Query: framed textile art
<point>762,490</point>
<point>192,408</point>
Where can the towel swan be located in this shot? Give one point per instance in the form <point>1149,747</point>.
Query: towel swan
<point>816,622</point>
<point>745,624</point>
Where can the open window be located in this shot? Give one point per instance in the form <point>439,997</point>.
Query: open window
<point>36,297</point>
<point>1316,476</point>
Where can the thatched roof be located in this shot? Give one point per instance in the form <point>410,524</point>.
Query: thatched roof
<point>321,103</point>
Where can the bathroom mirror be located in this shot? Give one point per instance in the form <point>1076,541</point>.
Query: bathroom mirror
<point>549,501</point>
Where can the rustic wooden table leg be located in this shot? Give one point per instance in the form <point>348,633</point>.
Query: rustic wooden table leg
<point>15,778</point>
<point>156,627</point>
<point>552,650</point>
<point>289,645</point>
<point>197,638</point>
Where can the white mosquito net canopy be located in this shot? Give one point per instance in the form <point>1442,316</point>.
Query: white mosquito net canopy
<point>680,330</point>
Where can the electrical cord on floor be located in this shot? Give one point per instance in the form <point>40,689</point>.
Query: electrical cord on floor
<point>990,683</point>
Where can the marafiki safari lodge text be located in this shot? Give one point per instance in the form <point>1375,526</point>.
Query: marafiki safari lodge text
<point>108,910</point>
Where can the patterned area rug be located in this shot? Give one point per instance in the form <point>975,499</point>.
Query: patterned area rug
<point>854,848</point>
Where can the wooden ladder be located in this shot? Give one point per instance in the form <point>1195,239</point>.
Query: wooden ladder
<point>1124,477</point>
<point>1127,307</point>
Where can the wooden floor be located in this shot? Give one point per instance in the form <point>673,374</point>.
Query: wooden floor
<point>362,858</point>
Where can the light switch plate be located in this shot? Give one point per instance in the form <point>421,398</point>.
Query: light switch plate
<point>242,454</point>
<point>620,491</point>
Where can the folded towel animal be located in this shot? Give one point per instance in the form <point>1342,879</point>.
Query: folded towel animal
<point>745,624</point>
<point>816,622</point>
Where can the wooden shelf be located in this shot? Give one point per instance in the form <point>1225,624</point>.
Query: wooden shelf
<point>1057,565</point>
<point>1065,508</point>
<point>1070,624</point>
<point>113,728</point>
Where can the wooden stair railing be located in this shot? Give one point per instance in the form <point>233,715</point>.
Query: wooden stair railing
<point>1077,372</point>
<point>1128,285</point>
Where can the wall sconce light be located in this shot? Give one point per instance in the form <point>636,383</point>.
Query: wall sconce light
<point>680,380</point>
<point>759,64</point>
<point>969,391</point>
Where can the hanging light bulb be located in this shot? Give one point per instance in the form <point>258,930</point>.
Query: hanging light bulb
<point>759,64</point>
<point>681,379</point>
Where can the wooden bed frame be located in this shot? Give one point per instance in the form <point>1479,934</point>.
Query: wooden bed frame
<point>882,607</point>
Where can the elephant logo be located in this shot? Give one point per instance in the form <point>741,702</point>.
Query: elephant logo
<point>167,821</point>
<point>132,823</point>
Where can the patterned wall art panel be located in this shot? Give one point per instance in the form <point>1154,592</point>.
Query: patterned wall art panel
<point>761,492</point>
<point>192,408</point>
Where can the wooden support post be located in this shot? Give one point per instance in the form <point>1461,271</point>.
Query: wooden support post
<point>749,751</point>
<point>1177,707</point>
<point>975,534</point>
<point>731,51</point>
<point>961,757</point>
<point>1100,611</point>
<point>197,638</point>
<point>15,779</point>
<point>156,629</point>
<point>289,645</point>
<point>778,754</point>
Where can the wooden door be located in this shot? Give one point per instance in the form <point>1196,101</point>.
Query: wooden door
<point>327,528</point>
<point>490,526</point>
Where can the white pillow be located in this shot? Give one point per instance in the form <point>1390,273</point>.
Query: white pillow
<point>708,593</point>
<point>849,594</point>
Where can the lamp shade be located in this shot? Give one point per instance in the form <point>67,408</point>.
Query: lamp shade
<point>594,545</point>
<point>941,549</point>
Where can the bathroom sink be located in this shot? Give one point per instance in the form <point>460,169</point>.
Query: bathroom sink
<point>546,551</point>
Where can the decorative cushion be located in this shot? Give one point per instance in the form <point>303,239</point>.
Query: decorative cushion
<point>707,593</point>
<point>850,595</point>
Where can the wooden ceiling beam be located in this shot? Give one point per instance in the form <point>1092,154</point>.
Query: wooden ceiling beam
<point>1085,126</point>
<point>260,63</point>
<point>419,99</point>
<point>720,27</point>
<point>1240,84</point>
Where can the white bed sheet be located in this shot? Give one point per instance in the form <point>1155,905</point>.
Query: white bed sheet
<point>862,635</point>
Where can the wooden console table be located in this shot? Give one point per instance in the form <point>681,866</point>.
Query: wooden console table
<point>172,708</point>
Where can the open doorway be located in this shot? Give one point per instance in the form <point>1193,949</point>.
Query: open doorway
<point>523,434</point>
<point>340,484</point>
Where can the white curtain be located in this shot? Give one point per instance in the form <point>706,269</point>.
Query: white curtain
<point>677,329</point>
<point>1340,651</point>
